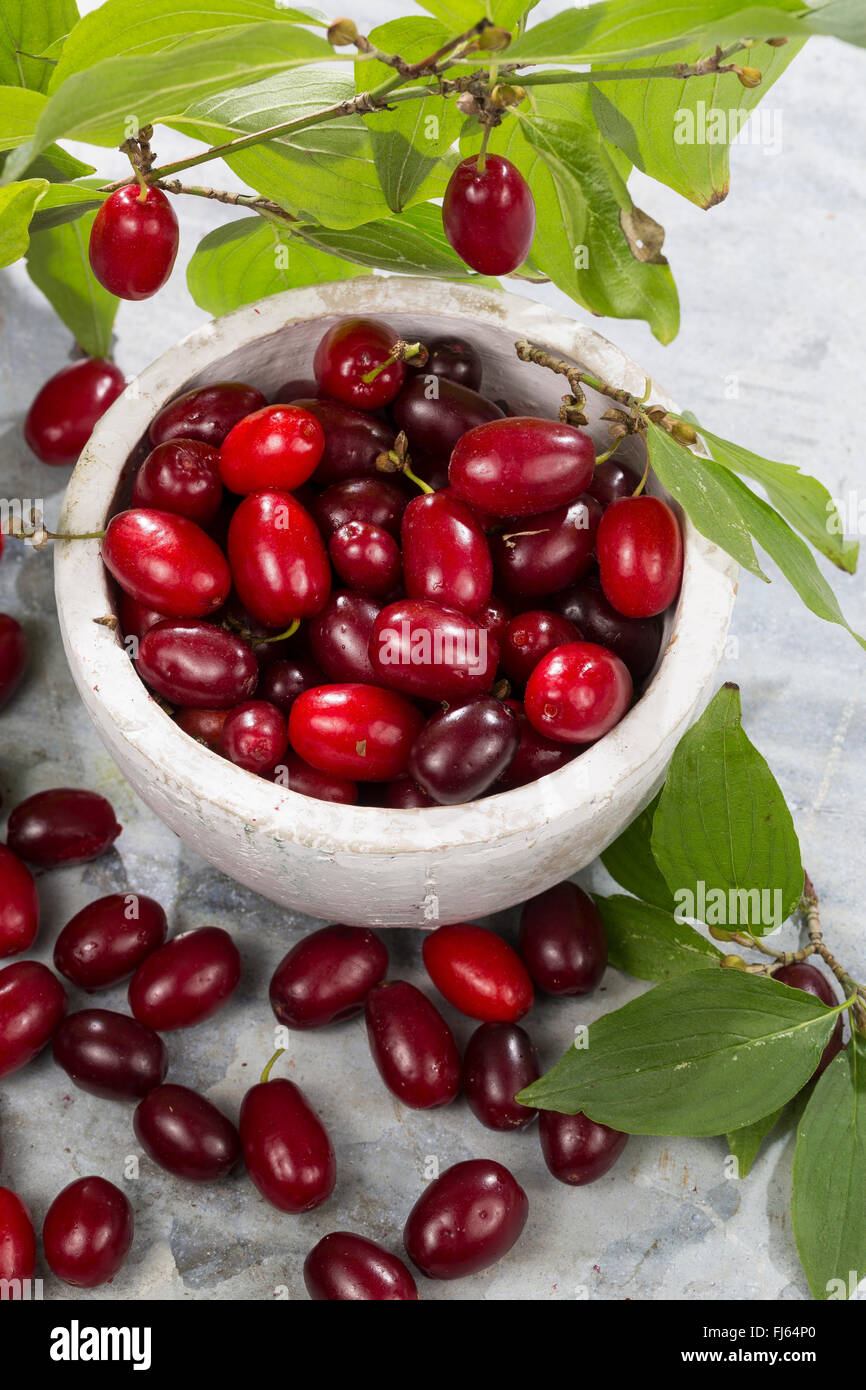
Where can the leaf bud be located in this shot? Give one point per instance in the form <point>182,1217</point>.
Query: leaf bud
<point>493,39</point>
<point>732,963</point>
<point>683,432</point>
<point>342,33</point>
<point>718,934</point>
<point>749,77</point>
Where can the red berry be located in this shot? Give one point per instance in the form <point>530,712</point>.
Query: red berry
<point>110,1054</point>
<point>88,1232</point>
<point>186,1134</point>
<point>454,359</point>
<point>198,665</point>
<point>351,350</point>
<point>577,693</point>
<point>63,826</point>
<point>489,215</point>
<point>802,975</point>
<point>376,500</point>
<point>276,447</point>
<point>538,555</point>
<point>282,681</point>
<point>32,1003</point>
<point>576,1149</point>
<point>520,466</point>
<point>356,731</point>
<point>462,750</point>
<point>562,940</point>
<point>353,441</point>
<point>499,1061</point>
<point>434,417</point>
<point>108,939</point>
<point>344,1267</point>
<point>640,556</point>
<point>135,618</point>
<point>61,419</point>
<point>13,657</point>
<point>255,736</point>
<point>446,557</point>
<point>206,413</point>
<point>366,558</point>
<point>286,1148</point>
<point>204,725</point>
<point>412,1046</point>
<point>635,641</point>
<point>494,617</point>
<point>181,476</point>
<point>465,1220</point>
<point>478,972</point>
<point>612,480</point>
<point>17,1238</point>
<point>185,981</point>
<point>536,755</point>
<point>278,560</point>
<point>133,242</point>
<point>166,562</point>
<point>340,637</point>
<point>326,977</point>
<point>299,776</point>
<point>529,637</point>
<point>19,905</point>
<point>405,795</point>
<point>423,649</point>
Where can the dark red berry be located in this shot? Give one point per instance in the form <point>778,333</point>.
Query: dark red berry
<point>206,413</point>
<point>536,755</point>
<point>612,480</point>
<point>286,1148</point>
<point>521,466</point>
<point>640,556</point>
<point>465,1220</point>
<point>434,413</point>
<point>344,1267</point>
<point>802,975</point>
<point>537,555</point>
<point>340,637</point>
<point>478,972</point>
<point>577,693</point>
<point>136,618</point>
<point>405,795</point>
<point>366,558</point>
<point>166,562</point>
<point>282,681</point>
<point>489,214</point>
<point>375,500</point>
<point>494,616</point>
<point>13,656</point>
<point>185,981</point>
<point>562,940</point>
<point>499,1061</point>
<point>454,359</point>
<point>110,1054</point>
<point>88,1232</point>
<point>446,557</point>
<point>17,1238</point>
<point>635,641</point>
<point>278,446</point>
<point>326,977</point>
<point>357,731</point>
<point>578,1150</point>
<point>63,826</point>
<point>180,476</point>
<point>462,750</point>
<point>108,939</point>
<point>204,725</point>
<point>423,649</point>
<point>412,1046</point>
<point>351,350</point>
<point>353,441</point>
<point>133,242</point>
<point>186,1134</point>
<point>195,664</point>
<point>32,1003</point>
<point>61,419</point>
<point>278,561</point>
<point>529,637</point>
<point>255,736</point>
<point>19,905</point>
<point>299,776</point>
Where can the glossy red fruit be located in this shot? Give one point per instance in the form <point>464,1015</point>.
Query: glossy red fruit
<point>133,242</point>
<point>19,905</point>
<point>88,1232</point>
<point>412,1046</point>
<point>108,939</point>
<point>186,1134</point>
<point>454,359</point>
<point>278,446</point>
<point>466,1220</point>
<point>185,981</point>
<point>353,441</point>
<point>63,826</point>
<point>61,419</point>
<point>536,755</point>
<point>345,1267</point>
<point>350,351</point>
<point>110,1054</point>
<point>166,562</point>
<point>636,641</point>
<point>529,637</point>
<point>478,972</point>
<point>282,681</point>
<point>499,1061</point>
<point>278,560</point>
<point>423,649</point>
<point>204,725</point>
<point>196,664</point>
<point>32,1003</point>
<point>537,555</point>
<point>494,616</point>
<point>326,977</point>
<point>640,556</point>
<point>433,417</point>
<point>180,476</point>
<point>286,1148</point>
<point>612,480</point>
<point>462,750</point>
<point>255,736</point>
<point>521,466</point>
<point>446,557</point>
<point>17,1238</point>
<point>576,1149</point>
<point>206,413</point>
<point>357,731</point>
<point>375,500</point>
<point>340,637</point>
<point>802,975</point>
<point>299,776</point>
<point>13,656</point>
<point>366,558</point>
<point>577,693</point>
<point>488,214</point>
<point>136,618</point>
<point>405,795</point>
<point>562,940</point>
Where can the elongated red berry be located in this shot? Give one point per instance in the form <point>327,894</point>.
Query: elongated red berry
<point>133,242</point>
<point>489,214</point>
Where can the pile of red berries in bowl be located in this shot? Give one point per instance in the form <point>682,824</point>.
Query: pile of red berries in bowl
<point>384,586</point>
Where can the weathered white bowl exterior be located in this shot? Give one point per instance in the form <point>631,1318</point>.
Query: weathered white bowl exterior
<point>354,864</point>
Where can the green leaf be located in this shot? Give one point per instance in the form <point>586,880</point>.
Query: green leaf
<point>700,1055</point>
<point>801,499</point>
<point>843,19</point>
<point>139,27</point>
<point>460,15</point>
<point>249,259</point>
<point>723,836</point>
<point>745,1143</point>
<point>117,95</point>
<point>649,943</point>
<point>31,26</point>
<point>412,244</point>
<point>828,1205</point>
<point>58,265</point>
<point>629,860</point>
<point>408,140</point>
<point>702,489</point>
<point>64,202</point>
<point>680,131</point>
<point>20,109</point>
<point>17,201</point>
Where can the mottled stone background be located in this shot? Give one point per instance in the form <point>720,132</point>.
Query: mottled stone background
<point>770,353</point>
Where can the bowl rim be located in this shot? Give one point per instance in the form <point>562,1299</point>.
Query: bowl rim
<point>113,691</point>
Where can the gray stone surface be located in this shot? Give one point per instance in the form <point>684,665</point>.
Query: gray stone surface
<point>770,353</point>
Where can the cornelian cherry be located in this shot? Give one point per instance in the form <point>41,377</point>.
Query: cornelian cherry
<point>64,825</point>
<point>499,1061</point>
<point>351,350</point>
<point>277,447</point>
<point>301,777</point>
<point>536,754</point>
<point>801,975</point>
<point>578,1150</point>
<point>520,465</point>
<point>489,214</point>
<point>133,242</point>
<point>538,555</point>
<point>355,731</point>
<point>462,750</point>
<point>353,441</point>
<point>32,1003</point>
<point>197,665</point>
<point>365,557</point>
<point>61,419</point>
<point>454,359</point>
<point>640,555</point>
<point>412,1046</point>
<point>166,562</point>
<point>446,557</point>
<point>13,657</point>
<point>278,560</point>
<point>340,637</point>
<point>478,972</point>
<point>345,1267</point>
<point>326,976</point>
<point>635,641</point>
<point>466,1219</point>
<point>185,981</point>
<point>206,413</point>
<point>529,637</point>
<point>286,1148</point>
<point>17,1238</point>
<point>423,649</point>
<point>255,736</point>
<point>108,939</point>
<point>19,904</point>
<point>374,500</point>
<point>88,1232</point>
<point>577,693</point>
<point>562,940</point>
<point>180,476</point>
<point>435,416</point>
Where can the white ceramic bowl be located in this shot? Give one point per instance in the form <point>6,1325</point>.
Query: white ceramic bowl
<point>353,864</point>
